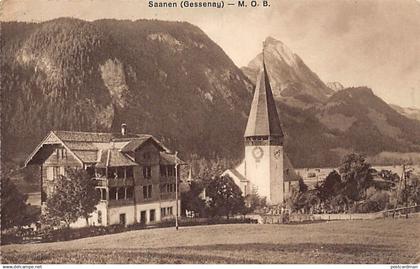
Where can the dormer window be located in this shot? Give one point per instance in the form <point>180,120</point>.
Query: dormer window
<point>146,155</point>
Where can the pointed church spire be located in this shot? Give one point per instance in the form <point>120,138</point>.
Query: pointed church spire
<point>263,118</point>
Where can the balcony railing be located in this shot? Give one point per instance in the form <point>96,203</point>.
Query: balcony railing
<point>113,182</point>
<point>121,202</point>
<point>167,195</point>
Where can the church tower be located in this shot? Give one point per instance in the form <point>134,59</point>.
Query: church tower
<point>264,160</point>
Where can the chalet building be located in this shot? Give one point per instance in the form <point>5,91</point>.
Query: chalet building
<point>266,170</point>
<point>134,173</point>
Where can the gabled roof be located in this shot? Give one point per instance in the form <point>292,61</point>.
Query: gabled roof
<point>289,173</point>
<point>103,149</point>
<point>113,158</point>
<point>237,174</point>
<point>263,118</point>
<point>136,143</point>
<point>45,148</point>
<point>169,159</point>
<point>86,156</point>
<point>83,136</point>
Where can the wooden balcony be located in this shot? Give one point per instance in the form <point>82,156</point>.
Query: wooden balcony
<point>167,196</point>
<point>100,182</point>
<point>122,202</point>
<point>114,182</point>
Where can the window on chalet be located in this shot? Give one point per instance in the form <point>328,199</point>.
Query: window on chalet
<point>112,193</point>
<point>61,153</point>
<point>149,189</point>
<point>99,217</point>
<point>152,214</point>
<point>120,172</point>
<point>166,211</point>
<point>130,192</point>
<point>163,171</point>
<point>171,170</point>
<point>147,171</point>
<point>167,170</point>
<point>57,172</point>
<point>162,187</point>
<point>170,187</point>
<point>121,193</point>
<point>102,193</point>
<point>129,171</point>
<point>147,192</point>
<point>112,173</point>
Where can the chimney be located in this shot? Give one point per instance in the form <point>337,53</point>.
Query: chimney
<point>123,129</point>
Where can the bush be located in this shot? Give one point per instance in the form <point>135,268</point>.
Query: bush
<point>376,202</point>
<point>10,239</point>
<point>48,234</point>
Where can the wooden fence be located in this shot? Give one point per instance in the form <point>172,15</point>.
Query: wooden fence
<point>297,217</point>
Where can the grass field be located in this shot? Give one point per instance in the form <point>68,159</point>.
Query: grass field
<point>368,241</point>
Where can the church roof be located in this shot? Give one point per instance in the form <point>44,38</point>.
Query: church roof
<point>289,173</point>
<point>263,119</point>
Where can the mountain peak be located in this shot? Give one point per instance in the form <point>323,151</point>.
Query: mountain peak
<point>290,77</point>
<point>280,50</point>
<point>335,86</point>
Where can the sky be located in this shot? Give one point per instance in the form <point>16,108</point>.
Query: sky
<point>374,43</point>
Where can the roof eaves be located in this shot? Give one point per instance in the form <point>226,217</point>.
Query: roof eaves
<point>43,142</point>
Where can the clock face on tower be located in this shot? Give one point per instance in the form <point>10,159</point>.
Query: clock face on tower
<point>277,154</point>
<point>257,152</point>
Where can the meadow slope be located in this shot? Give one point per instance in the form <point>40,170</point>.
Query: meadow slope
<point>373,241</point>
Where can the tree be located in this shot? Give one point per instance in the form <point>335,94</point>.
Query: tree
<point>74,197</point>
<point>254,202</point>
<point>330,187</point>
<point>408,193</point>
<point>225,197</point>
<point>14,210</point>
<point>356,175</point>
<point>303,200</point>
<point>302,186</point>
<point>388,175</point>
<point>377,200</point>
<point>192,201</point>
